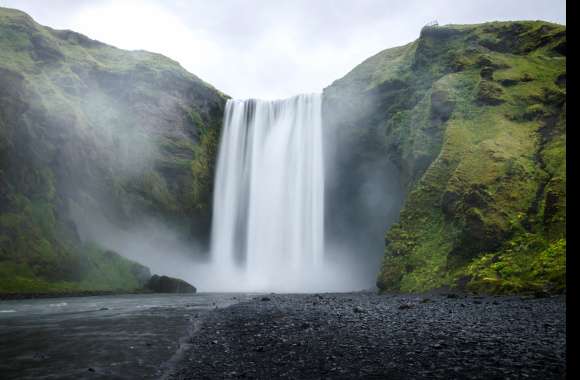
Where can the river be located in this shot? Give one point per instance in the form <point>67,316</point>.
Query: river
<point>119,336</point>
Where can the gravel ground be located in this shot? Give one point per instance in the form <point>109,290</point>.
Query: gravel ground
<point>364,335</point>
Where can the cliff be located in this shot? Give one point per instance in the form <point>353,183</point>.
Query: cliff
<point>474,119</point>
<point>89,132</point>
<point>464,131</point>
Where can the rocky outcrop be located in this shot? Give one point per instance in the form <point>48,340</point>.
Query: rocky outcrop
<point>164,284</point>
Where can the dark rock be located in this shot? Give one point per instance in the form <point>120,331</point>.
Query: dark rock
<point>165,284</point>
<point>541,294</point>
<point>508,82</point>
<point>486,73</point>
<point>265,299</point>
<point>485,61</point>
<point>462,282</point>
<point>449,202</point>
<point>405,306</point>
<point>561,48</point>
<point>526,78</point>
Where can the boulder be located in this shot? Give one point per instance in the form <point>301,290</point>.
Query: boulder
<point>165,284</point>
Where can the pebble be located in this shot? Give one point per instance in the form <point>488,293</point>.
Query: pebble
<point>453,337</point>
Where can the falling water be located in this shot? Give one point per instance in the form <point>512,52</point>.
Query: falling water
<point>268,220</point>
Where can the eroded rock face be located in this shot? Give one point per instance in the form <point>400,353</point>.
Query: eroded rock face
<point>165,284</point>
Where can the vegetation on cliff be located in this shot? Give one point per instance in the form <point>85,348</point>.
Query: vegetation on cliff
<point>474,117</point>
<point>89,130</point>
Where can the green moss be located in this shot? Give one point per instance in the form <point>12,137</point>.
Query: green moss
<point>196,119</point>
<point>489,93</point>
<point>100,270</point>
<point>475,141</point>
<point>107,270</point>
<point>526,263</point>
<point>82,121</point>
<point>203,168</point>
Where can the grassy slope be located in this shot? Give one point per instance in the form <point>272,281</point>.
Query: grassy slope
<point>75,116</point>
<point>474,117</point>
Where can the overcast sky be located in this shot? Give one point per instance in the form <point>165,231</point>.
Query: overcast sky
<point>268,48</point>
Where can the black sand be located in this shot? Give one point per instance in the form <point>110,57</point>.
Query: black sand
<point>363,335</point>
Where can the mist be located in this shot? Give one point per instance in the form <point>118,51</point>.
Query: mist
<point>127,162</point>
<point>126,171</point>
<point>362,198</point>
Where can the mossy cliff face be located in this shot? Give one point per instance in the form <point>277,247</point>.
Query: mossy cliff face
<point>468,121</point>
<point>89,129</point>
<point>474,118</point>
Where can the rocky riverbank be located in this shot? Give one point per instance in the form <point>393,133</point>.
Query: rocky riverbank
<point>364,335</point>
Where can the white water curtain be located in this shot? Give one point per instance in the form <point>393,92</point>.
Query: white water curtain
<point>268,218</point>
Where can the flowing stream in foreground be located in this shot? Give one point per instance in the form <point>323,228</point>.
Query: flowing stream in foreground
<point>268,219</point>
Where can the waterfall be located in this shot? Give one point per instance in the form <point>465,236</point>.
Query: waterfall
<point>268,216</point>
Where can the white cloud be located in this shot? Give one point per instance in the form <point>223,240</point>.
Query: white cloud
<point>144,25</point>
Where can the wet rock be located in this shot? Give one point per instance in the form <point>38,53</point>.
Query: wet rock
<point>561,80</point>
<point>526,78</point>
<point>486,73</point>
<point>508,82</point>
<point>165,284</point>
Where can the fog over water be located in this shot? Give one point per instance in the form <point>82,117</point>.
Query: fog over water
<point>295,210</point>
